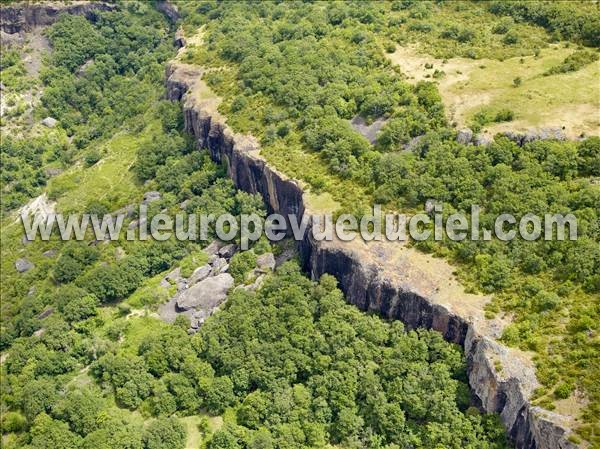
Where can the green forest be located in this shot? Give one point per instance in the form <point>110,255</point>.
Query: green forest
<point>295,76</point>
<point>86,363</point>
<point>289,366</point>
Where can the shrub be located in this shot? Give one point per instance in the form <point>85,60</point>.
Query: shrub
<point>241,263</point>
<point>510,38</point>
<point>563,391</point>
<point>164,433</point>
<point>13,422</point>
<point>574,62</point>
<point>238,103</point>
<point>91,157</point>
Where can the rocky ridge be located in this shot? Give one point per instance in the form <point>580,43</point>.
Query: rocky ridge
<point>200,294</point>
<point>388,278</point>
<point>23,16</point>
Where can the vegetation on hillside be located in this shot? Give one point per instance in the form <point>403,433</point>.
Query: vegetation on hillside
<point>289,366</point>
<point>294,74</point>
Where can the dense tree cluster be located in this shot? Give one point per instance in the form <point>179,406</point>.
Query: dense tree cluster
<point>23,161</point>
<point>307,369</point>
<point>100,75</point>
<point>295,75</point>
<point>579,20</point>
<point>318,74</point>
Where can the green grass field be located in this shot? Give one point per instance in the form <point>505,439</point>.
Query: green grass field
<point>470,86</point>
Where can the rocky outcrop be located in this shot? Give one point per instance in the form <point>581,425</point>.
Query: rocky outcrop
<point>546,133</point>
<point>23,16</point>
<point>168,9</point>
<point>206,294</point>
<point>49,122</point>
<point>22,265</point>
<point>464,136</point>
<point>385,278</point>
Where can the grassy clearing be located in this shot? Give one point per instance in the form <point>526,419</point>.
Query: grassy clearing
<point>468,86</point>
<point>138,329</point>
<point>150,293</point>
<point>109,180</point>
<point>195,437</point>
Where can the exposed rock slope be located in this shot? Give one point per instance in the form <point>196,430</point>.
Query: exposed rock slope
<point>388,278</point>
<point>22,17</point>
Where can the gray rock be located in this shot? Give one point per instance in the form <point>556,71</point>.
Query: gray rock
<point>168,9</point>
<point>218,265</point>
<point>515,137</point>
<point>228,251</point>
<point>551,133</point>
<point>413,143</point>
<point>482,139</point>
<point>119,253</point>
<point>46,313</point>
<point>22,265</point>
<point>179,40</point>
<point>53,171</point>
<point>369,132</point>
<point>212,259</point>
<point>256,284</point>
<point>137,223</point>
<point>199,317</point>
<point>207,294</point>
<point>546,133</point>
<point>213,248</point>
<point>173,276</point>
<point>430,205</point>
<point>49,122</point>
<point>224,268</point>
<point>19,18</point>
<point>128,211</point>
<point>464,136</point>
<point>49,253</point>
<point>85,67</point>
<point>266,262</point>
<point>199,274</point>
<point>150,197</point>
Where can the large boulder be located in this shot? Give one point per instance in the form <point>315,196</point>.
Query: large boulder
<point>464,136</point>
<point>213,248</point>
<point>50,253</point>
<point>413,143</point>
<point>85,68</point>
<point>150,197</point>
<point>228,251</point>
<point>207,294</point>
<point>168,9</point>
<point>199,274</point>
<point>266,262</point>
<point>49,122</point>
<point>22,265</point>
<point>218,265</point>
<point>482,139</point>
<point>179,40</point>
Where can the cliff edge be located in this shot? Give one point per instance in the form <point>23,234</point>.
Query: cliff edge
<point>385,277</point>
<point>23,16</point>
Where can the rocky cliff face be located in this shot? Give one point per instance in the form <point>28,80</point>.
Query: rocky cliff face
<point>386,280</point>
<point>22,17</point>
